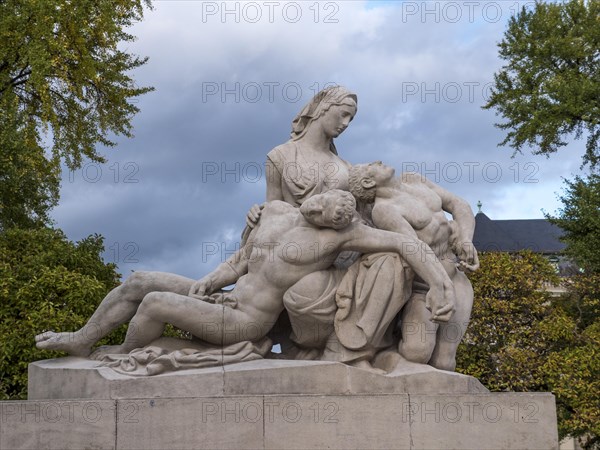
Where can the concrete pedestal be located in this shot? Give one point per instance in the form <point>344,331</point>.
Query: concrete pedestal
<point>206,409</point>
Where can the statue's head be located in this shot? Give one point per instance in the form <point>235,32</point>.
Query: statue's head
<point>332,209</point>
<point>364,179</point>
<point>336,97</point>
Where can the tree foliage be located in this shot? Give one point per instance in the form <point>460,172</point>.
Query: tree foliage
<point>507,339</point>
<point>46,282</point>
<point>550,85</point>
<point>63,82</point>
<point>29,183</point>
<point>521,339</point>
<point>579,218</point>
<point>574,371</point>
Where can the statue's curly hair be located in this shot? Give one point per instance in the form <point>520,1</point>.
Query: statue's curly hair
<point>345,206</point>
<point>357,173</point>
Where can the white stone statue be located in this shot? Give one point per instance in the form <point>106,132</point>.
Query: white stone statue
<point>262,271</point>
<point>343,271</point>
<point>370,273</point>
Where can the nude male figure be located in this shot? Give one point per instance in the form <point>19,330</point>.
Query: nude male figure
<point>414,206</point>
<point>262,271</point>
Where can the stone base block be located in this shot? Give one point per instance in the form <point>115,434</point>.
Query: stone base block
<point>77,403</point>
<point>83,378</point>
<point>399,421</point>
<point>65,424</point>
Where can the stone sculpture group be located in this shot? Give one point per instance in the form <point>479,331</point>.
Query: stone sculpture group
<point>364,263</point>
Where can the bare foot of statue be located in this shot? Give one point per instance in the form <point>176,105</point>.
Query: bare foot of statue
<point>64,342</point>
<point>104,350</point>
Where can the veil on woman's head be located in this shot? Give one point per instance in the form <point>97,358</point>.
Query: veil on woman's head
<point>334,95</point>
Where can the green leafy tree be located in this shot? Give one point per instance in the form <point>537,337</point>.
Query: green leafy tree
<point>29,183</point>
<point>550,85</point>
<point>579,218</point>
<point>573,372</point>
<point>63,81</point>
<point>46,282</point>
<point>521,339</point>
<point>507,338</point>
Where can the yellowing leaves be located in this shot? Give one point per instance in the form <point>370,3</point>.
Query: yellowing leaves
<point>520,339</point>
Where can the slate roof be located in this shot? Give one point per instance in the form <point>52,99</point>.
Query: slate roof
<point>537,235</point>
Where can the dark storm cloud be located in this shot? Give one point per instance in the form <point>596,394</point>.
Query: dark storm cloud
<point>226,93</point>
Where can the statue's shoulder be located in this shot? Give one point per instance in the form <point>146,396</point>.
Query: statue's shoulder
<point>282,153</point>
<point>412,177</point>
<point>278,207</point>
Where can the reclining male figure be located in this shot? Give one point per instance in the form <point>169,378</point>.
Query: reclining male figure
<point>262,270</point>
<point>412,205</point>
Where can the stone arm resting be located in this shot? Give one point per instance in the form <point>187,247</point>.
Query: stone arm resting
<point>464,222</point>
<point>225,274</point>
<point>460,210</point>
<point>274,191</point>
<point>441,297</point>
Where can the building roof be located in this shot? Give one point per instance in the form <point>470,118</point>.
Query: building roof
<point>537,235</point>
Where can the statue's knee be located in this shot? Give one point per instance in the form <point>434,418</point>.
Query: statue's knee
<point>136,279</point>
<point>135,286</point>
<point>415,351</point>
<point>444,363</point>
<point>150,304</point>
<point>312,324</point>
<point>308,290</point>
<point>289,301</point>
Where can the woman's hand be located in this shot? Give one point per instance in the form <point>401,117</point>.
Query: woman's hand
<point>253,215</point>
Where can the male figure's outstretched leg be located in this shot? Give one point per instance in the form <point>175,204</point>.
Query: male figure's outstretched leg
<point>119,306</point>
<point>213,323</point>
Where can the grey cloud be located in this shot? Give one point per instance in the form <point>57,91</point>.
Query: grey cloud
<point>185,220</point>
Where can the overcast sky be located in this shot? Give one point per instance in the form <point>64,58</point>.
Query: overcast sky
<point>229,79</point>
